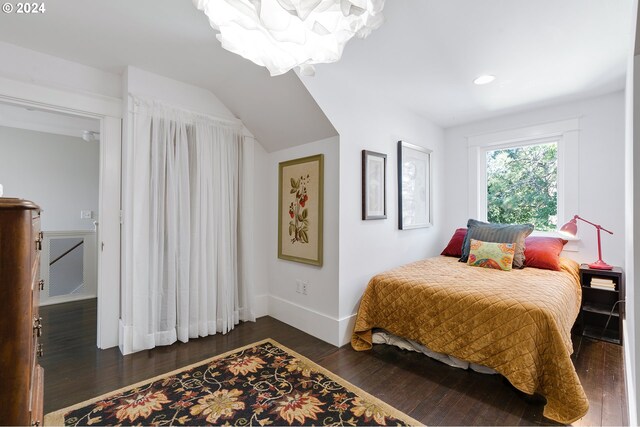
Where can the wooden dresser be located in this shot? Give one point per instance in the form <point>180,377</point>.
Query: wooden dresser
<point>21,377</point>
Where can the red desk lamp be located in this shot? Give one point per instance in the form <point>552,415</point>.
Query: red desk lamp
<point>571,229</point>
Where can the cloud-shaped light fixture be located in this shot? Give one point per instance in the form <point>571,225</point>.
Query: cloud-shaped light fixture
<point>283,34</point>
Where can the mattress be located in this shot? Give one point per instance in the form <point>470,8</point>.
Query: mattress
<point>380,336</point>
<point>517,323</point>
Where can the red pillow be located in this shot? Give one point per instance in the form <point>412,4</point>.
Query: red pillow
<point>454,248</point>
<point>543,252</point>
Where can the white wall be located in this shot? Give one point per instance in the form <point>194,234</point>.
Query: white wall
<point>317,312</point>
<point>633,263</point>
<point>143,83</point>
<point>601,170</point>
<point>367,122</point>
<point>632,241</point>
<point>261,229</point>
<point>60,173</point>
<point>370,247</point>
<point>34,67</point>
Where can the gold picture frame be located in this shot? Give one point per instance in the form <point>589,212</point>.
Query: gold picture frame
<point>300,209</point>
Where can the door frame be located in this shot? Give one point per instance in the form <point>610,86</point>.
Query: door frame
<point>109,111</point>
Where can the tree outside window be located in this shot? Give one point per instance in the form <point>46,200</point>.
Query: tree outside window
<point>522,185</point>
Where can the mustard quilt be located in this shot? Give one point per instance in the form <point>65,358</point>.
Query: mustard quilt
<point>516,322</point>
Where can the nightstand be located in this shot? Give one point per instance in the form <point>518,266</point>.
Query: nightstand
<point>602,307</point>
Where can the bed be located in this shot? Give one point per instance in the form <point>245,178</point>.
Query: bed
<point>517,323</point>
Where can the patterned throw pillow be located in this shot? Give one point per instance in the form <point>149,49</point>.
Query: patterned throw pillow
<point>498,233</point>
<point>491,255</point>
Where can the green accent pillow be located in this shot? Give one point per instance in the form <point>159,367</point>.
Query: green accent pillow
<point>491,255</point>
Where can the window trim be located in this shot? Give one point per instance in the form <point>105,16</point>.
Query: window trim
<point>567,135</point>
<point>482,175</point>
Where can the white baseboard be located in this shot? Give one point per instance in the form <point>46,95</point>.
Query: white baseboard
<point>125,338</point>
<point>334,331</point>
<point>307,320</point>
<point>261,308</point>
<point>346,329</point>
<point>327,328</point>
<point>628,373</point>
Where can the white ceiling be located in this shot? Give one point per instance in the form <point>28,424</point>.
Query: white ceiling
<point>424,58</point>
<point>172,38</point>
<point>427,54</point>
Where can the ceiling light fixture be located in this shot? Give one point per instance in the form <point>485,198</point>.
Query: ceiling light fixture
<point>283,34</point>
<point>483,80</point>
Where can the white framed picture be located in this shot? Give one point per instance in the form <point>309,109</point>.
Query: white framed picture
<point>374,185</point>
<point>414,186</point>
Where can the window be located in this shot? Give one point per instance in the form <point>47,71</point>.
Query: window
<point>522,185</point>
<point>528,174</point>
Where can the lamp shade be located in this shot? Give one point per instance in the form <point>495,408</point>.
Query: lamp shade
<point>283,34</point>
<point>570,228</point>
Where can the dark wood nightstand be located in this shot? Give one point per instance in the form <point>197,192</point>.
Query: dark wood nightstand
<point>602,309</point>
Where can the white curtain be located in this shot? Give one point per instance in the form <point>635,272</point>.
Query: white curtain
<point>187,269</point>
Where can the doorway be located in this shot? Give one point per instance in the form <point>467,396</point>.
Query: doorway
<point>108,113</point>
<point>62,156</point>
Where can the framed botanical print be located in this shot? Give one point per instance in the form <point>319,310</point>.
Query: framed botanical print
<point>414,186</point>
<point>374,185</point>
<point>300,198</point>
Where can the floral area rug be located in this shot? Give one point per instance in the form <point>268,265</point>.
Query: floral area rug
<point>262,384</point>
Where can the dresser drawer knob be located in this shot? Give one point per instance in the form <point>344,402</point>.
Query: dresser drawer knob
<point>41,284</point>
<point>37,326</point>
<point>40,350</point>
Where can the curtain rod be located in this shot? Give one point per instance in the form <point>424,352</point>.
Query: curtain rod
<point>137,98</point>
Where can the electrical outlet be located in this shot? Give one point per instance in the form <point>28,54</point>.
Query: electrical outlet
<point>299,286</point>
<point>305,288</point>
<point>86,214</point>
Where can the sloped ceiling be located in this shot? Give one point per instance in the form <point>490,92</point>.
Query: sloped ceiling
<point>172,38</point>
<point>424,57</point>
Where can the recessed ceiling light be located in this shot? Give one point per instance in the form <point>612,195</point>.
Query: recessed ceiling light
<point>483,80</point>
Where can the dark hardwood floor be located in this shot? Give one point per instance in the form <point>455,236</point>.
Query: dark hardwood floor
<point>427,390</point>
